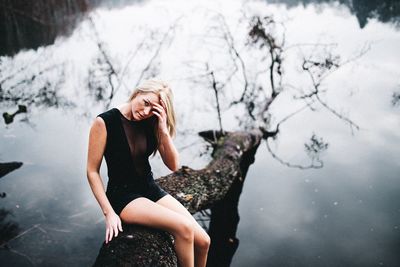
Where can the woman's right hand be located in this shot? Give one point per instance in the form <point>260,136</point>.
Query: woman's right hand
<point>113,224</point>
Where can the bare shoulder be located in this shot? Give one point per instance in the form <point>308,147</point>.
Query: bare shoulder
<point>99,122</point>
<point>97,144</point>
<point>98,127</point>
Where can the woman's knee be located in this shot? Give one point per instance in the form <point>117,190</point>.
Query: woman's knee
<point>203,242</point>
<point>184,228</point>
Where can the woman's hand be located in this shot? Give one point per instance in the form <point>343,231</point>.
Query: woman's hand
<point>113,224</point>
<point>159,111</point>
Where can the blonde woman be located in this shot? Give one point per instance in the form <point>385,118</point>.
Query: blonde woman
<point>126,136</point>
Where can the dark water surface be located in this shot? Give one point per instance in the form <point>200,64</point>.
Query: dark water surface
<point>346,213</point>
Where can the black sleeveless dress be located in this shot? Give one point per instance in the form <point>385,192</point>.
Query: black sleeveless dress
<point>129,145</point>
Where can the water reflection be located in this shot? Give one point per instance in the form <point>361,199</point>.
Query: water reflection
<point>287,214</point>
<point>8,167</point>
<point>396,98</point>
<point>33,83</point>
<point>224,220</point>
<point>30,25</point>
<point>9,229</point>
<point>9,118</point>
<point>385,11</point>
<point>33,24</point>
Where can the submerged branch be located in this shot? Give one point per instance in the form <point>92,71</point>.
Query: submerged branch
<point>291,165</point>
<point>157,51</point>
<point>216,91</point>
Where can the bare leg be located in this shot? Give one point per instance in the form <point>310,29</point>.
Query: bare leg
<point>201,238</point>
<point>145,212</point>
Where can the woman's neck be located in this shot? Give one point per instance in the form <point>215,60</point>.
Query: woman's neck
<point>126,110</point>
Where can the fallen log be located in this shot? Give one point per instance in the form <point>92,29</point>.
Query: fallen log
<point>196,189</point>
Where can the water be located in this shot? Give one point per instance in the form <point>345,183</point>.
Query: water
<point>346,213</point>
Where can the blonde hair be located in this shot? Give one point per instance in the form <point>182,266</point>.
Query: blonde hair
<point>163,90</point>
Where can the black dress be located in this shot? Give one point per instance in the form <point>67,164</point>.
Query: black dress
<point>129,145</point>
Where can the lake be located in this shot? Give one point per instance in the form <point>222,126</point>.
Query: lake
<point>323,192</point>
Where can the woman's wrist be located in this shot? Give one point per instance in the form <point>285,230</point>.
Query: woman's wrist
<point>108,211</point>
<point>164,134</point>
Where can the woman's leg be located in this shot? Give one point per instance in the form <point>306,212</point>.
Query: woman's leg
<point>201,238</point>
<point>145,212</point>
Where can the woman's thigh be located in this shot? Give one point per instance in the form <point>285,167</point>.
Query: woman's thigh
<point>174,205</point>
<point>146,212</point>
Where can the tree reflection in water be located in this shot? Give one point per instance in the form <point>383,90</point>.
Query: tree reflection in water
<point>396,99</point>
<point>32,24</point>
<point>9,229</point>
<point>38,83</point>
<point>385,11</point>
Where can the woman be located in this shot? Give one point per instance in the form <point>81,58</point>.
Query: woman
<point>126,136</point>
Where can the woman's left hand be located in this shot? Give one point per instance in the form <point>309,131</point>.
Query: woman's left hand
<point>159,111</point>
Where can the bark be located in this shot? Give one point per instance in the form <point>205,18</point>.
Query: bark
<point>196,190</point>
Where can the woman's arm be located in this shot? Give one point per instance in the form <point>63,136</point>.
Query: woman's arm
<point>97,144</point>
<point>168,152</point>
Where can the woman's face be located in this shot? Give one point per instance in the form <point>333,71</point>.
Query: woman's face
<point>142,105</point>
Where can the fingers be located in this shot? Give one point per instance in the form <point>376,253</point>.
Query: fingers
<point>159,109</point>
<point>157,114</point>
<point>111,234</point>
<point>112,231</point>
<point>115,230</point>
<point>107,235</point>
<point>120,225</point>
<point>161,106</point>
